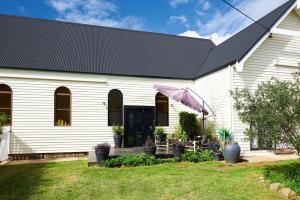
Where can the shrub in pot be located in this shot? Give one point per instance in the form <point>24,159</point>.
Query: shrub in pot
<point>102,152</point>
<point>214,147</point>
<point>231,151</point>
<point>160,134</point>
<point>178,149</point>
<point>118,135</point>
<point>150,147</point>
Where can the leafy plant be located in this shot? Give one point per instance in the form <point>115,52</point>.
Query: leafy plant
<point>201,156</point>
<point>159,131</point>
<point>149,143</point>
<point>131,160</point>
<point>3,121</point>
<point>225,136</point>
<point>210,130</point>
<point>286,174</point>
<point>189,125</point>
<point>103,146</point>
<point>272,111</point>
<point>118,130</point>
<point>177,132</point>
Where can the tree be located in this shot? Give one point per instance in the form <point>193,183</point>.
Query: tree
<point>272,110</point>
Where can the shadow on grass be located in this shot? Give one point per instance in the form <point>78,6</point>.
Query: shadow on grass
<point>286,174</point>
<point>20,181</point>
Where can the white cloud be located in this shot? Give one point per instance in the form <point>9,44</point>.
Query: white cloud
<point>190,33</point>
<point>97,12</point>
<point>175,3</point>
<point>231,22</point>
<point>215,37</point>
<point>181,19</point>
<point>206,5</point>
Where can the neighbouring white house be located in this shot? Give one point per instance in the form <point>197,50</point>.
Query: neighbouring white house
<point>64,85</point>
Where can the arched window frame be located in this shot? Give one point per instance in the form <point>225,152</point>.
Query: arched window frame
<point>110,123</point>
<point>157,113</point>
<point>56,94</point>
<point>10,108</point>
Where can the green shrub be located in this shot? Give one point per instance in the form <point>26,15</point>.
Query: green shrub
<point>118,130</point>
<point>287,174</point>
<point>202,156</point>
<point>159,131</point>
<point>210,130</point>
<point>131,160</point>
<point>189,125</point>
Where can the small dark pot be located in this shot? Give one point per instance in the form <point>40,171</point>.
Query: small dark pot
<point>161,138</point>
<point>118,140</point>
<point>217,156</point>
<point>101,155</point>
<point>177,152</point>
<point>150,150</point>
<point>232,153</point>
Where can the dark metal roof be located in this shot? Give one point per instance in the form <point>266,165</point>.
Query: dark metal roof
<point>36,44</point>
<point>236,47</point>
<point>28,43</point>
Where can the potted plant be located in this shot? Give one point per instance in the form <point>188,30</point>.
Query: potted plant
<point>214,147</point>
<point>231,150</point>
<point>150,147</point>
<point>102,152</point>
<point>160,134</point>
<point>118,135</point>
<point>178,149</point>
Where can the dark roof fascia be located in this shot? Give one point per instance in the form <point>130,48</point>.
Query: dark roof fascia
<point>104,74</point>
<point>215,70</point>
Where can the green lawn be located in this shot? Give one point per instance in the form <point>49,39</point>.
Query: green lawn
<point>74,180</point>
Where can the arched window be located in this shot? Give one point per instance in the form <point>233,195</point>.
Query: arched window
<point>162,110</point>
<point>115,108</point>
<point>6,101</point>
<point>62,108</point>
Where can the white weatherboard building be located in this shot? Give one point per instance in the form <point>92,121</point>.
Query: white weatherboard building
<point>64,85</point>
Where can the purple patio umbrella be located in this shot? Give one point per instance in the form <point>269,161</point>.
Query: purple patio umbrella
<point>181,95</point>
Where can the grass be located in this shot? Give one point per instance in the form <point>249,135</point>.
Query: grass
<point>288,174</point>
<point>74,180</point>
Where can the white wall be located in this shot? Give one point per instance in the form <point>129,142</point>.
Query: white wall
<point>276,57</point>
<point>33,129</point>
<point>215,90</point>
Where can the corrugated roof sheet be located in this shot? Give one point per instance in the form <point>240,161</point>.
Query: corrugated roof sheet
<point>36,44</point>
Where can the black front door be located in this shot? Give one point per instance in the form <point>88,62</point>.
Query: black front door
<point>139,125</point>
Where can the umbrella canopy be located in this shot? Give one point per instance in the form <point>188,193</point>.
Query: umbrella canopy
<point>181,95</point>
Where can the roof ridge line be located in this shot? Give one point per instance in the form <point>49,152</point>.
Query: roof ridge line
<point>106,27</point>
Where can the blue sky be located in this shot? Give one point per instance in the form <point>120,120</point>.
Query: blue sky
<point>211,19</point>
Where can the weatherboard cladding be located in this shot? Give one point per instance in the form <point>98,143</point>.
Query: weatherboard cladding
<point>36,44</point>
